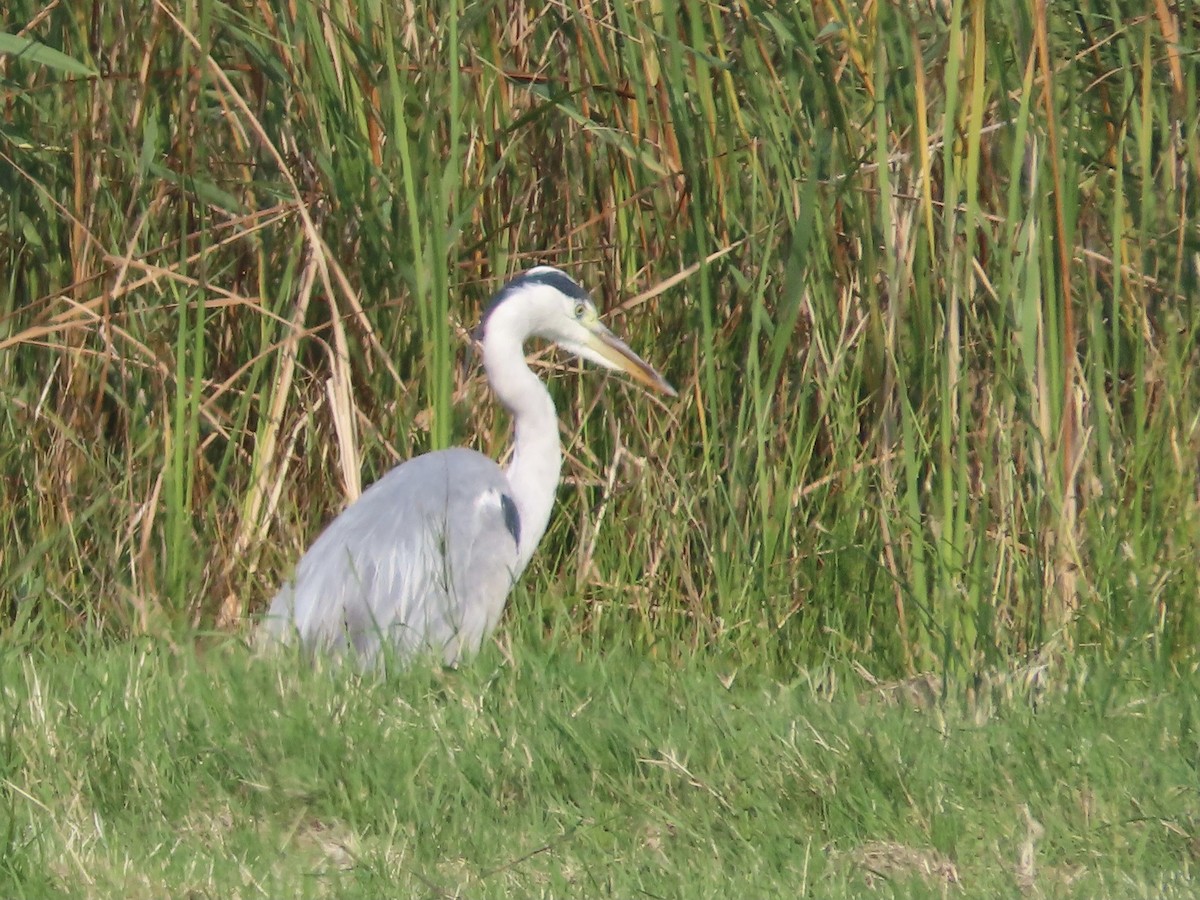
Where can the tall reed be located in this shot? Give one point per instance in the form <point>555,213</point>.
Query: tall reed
<point>923,273</point>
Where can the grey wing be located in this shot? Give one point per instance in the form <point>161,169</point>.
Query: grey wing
<point>423,561</point>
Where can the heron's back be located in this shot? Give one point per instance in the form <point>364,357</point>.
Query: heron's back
<point>423,561</point>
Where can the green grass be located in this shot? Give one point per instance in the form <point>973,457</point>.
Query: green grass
<point>143,770</point>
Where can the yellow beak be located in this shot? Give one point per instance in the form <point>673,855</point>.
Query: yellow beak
<point>619,354</point>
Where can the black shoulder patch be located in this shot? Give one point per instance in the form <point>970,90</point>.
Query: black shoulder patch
<point>512,518</point>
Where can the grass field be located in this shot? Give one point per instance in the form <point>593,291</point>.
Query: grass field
<point>899,595</point>
<point>150,771</point>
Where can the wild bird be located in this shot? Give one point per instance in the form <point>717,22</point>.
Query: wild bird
<point>424,560</point>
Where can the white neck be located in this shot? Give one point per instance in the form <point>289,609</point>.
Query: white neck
<point>537,455</point>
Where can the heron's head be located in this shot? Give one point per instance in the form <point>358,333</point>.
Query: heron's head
<point>546,302</point>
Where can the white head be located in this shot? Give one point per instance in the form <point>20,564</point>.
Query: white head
<point>546,302</point>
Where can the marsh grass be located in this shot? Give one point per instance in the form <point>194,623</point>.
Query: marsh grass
<point>922,273</point>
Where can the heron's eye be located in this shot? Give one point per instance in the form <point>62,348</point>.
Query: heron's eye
<point>580,310</point>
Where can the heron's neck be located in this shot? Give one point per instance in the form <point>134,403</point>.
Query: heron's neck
<point>537,454</point>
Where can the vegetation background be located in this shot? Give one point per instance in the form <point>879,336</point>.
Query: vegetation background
<point>925,274</point>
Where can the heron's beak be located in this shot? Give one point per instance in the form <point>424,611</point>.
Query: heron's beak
<point>620,356</point>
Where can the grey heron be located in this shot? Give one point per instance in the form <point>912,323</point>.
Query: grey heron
<point>424,560</point>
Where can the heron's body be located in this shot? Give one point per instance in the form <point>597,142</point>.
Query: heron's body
<point>424,560</point>
<point>372,577</point>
